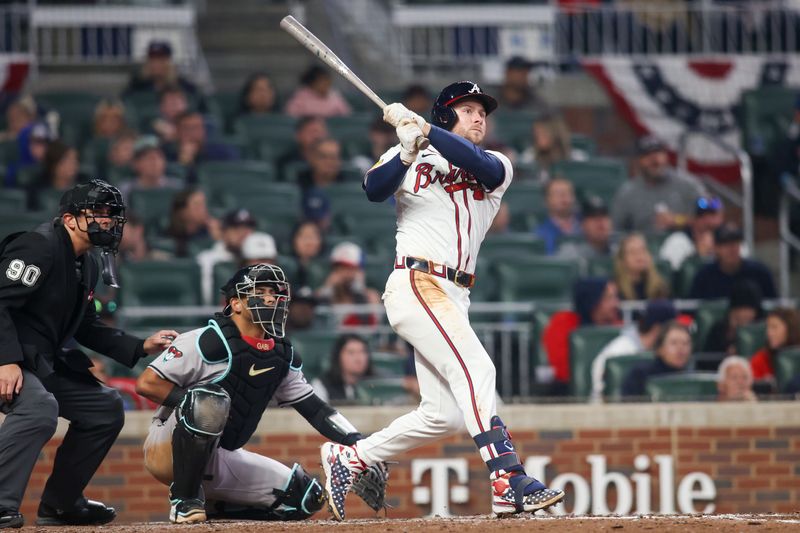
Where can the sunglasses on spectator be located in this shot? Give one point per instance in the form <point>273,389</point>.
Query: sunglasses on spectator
<point>709,204</point>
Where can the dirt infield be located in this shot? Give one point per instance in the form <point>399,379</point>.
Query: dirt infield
<point>545,524</point>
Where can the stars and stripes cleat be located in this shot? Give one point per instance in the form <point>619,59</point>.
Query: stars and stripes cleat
<point>506,501</point>
<point>341,464</point>
<point>187,511</point>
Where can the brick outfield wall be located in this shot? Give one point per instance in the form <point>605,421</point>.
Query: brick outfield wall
<point>754,469</point>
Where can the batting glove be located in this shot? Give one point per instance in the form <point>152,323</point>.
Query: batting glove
<point>408,132</point>
<point>395,113</point>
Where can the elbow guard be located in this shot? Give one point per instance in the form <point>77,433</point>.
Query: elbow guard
<point>328,421</point>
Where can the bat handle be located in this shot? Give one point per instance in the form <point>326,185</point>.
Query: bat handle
<point>423,143</point>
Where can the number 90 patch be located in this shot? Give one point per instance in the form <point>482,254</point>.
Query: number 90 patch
<point>18,271</point>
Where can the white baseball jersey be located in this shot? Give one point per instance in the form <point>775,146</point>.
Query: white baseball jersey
<point>443,212</point>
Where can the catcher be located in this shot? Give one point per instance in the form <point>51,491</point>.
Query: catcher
<point>218,380</point>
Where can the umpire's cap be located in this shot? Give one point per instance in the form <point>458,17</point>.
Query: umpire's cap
<point>92,195</point>
<point>442,114</point>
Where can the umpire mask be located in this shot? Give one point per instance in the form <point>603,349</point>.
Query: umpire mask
<point>246,284</point>
<point>102,206</point>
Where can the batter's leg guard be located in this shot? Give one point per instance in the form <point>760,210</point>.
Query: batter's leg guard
<point>202,415</point>
<point>513,491</point>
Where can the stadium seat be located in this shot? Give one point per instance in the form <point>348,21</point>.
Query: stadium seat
<point>600,267</point>
<point>314,348</point>
<point>685,276</point>
<point>526,199</point>
<point>617,369</point>
<point>355,126</point>
<point>13,201</point>
<point>512,127</point>
<point>24,221</point>
<point>227,104</point>
<point>765,116</point>
<point>787,366</point>
<point>262,197</point>
<point>377,268</point>
<point>751,338</point>
<point>161,283</point>
<point>389,364</point>
<point>485,288</point>
<point>683,387</point>
<point>292,171</point>
<point>584,345</point>
<point>222,272</point>
<point>220,176</point>
<point>708,312</point>
<point>48,200</point>
<point>383,391</point>
<point>151,205</point>
<point>583,143</point>
<point>535,278</point>
<point>28,176</point>
<point>257,128</point>
<point>502,245</point>
<point>597,177</point>
<point>377,229</point>
<point>76,112</point>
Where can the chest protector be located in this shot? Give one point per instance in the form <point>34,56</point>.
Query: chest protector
<point>252,378</point>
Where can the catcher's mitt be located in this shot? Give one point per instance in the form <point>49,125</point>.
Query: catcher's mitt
<point>370,485</point>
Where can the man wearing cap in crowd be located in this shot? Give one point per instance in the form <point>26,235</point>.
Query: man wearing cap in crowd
<point>237,225</point>
<point>596,233</point>
<point>317,208</point>
<point>516,92</point>
<point>259,248</point>
<point>149,165</point>
<point>32,144</point>
<point>159,72</point>
<point>347,283</point>
<point>633,339</point>
<point>660,198</point>
<point>696,239</point>
<point>716,279</point>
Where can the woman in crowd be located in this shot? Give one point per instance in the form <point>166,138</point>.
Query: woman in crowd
<point>635,272</point>
<point>783,331</point>
<point>307,245</point>
<point>316,96</point>
<point>350,363</point>
<point>257,96</point>
<point>673,348</point>
<point>190,221</point>
<point>109,119</point>
<point>550,143</point>
<point>60,168</point>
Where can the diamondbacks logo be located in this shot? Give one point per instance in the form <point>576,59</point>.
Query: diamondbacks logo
<point>172,353</point>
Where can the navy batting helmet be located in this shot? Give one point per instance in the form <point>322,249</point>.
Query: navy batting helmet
<point>442,114</point>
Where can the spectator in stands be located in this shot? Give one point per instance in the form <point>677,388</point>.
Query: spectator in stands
<point>109,119</point>
<point>783,331</point>
<point>596,303</point>
<point>596,233</point>
<point>307,246</point>
<point>562,220</point>
<point>325,160</point>
<point>660,198</point>
<point>418,99</point>
<point>517,93</point>
<point>633,339</point>
<point>134,246</point>
<point>551,142</point>
<point>159,72</point>
<point>257,248</point>
<point>257,96</point>
<point>236,226</point>
<point>381,137</point>
<point>696,239</point>
<point>716,279</point>
<point>635,272</point>
<point>20,114</point>
<point>172,103</point>
<point>673,348</point>
<point>744,307</point>
<point>192,146</point>
<point>317,208</point>
<point>60,169</point>
<point>119,159</point>
<point>316,96</point>
<point>735,380</point>
<point>350,363</point>
<point>189,220</point>
<point>32,143</point>
<point>501,222</point>
<point>347,284</point>
<point>308,131</point>
<point>149,165</point>
<point>302,310</point>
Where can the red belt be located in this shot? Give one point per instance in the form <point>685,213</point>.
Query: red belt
<point>459,277</point>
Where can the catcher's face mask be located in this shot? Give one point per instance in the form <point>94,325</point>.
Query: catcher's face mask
<point>265,292</point>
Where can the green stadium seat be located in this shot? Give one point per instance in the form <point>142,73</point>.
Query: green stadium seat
<point>221,176</point>
<point>376,228</point>
<point>222,272</point>
<point>600,267</point>
<point>161,283</point>
<point>227,104</point>
<point>48,200</point>
<point>23,221</point>
<point>512,127</point>
<point>526,199</point>
<point>76,112</point>
<point>617,369</point>
<point>708,312</point>
<point>485,289</point>
<point>535,278</point>
<point>314,348</point>
<point>28,176</point>
<point>9,151</point>
<point>685,275</point>
<point>383,391</point>
<point>389,364</point>
<point>584,345</point>
<point>355,126</point>
<point>289,266</point>
<point>787,366</point>
<point>540,321</point>
<point>258,128</point>
<point>751,338</point>
<point>583,143</point>
<point>13,200</point>
<point>151,205</point>
<point>596,177</point>
<point>377,268</point>
<point>683,387</point>
<point>292,171</point>
<point>766,114</point>
<point>502,245</point>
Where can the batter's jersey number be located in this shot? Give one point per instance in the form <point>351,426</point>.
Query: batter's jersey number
<point>28,274</point>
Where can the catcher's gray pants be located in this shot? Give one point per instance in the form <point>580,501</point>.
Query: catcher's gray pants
<point>236,476</point>
<point>96,415</point>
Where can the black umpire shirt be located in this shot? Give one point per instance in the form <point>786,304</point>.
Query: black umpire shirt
<point>46,299</point>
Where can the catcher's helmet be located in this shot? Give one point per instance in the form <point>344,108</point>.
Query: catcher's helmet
<point>442,114</point>
<point>97,199</point>
<point>243,285</point>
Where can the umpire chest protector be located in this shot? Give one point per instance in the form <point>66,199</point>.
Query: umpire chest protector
<point>251,379</point>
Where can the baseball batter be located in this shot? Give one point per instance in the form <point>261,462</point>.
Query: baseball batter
<point>218,380</point>
<point>447,196</point>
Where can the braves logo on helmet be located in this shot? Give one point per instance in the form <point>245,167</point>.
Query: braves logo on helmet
<point>444,116</point>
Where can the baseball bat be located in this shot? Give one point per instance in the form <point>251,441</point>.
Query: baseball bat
<point>319,49</point>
